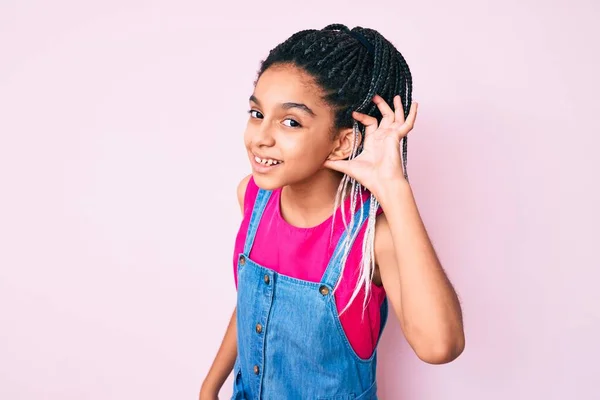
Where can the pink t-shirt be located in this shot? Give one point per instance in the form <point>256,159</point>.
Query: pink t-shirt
<point>304,253</point>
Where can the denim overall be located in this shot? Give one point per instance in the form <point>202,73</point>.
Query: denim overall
<point>291,344</point>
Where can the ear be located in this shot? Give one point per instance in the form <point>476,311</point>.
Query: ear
<point>343,145</point>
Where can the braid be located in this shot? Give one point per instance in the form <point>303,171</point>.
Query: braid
<point>350,66</point>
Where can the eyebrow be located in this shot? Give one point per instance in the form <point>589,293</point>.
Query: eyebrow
<point>288,105</point>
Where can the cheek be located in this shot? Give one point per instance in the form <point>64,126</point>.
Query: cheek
<point>305,150</point>
<point>248,135</point>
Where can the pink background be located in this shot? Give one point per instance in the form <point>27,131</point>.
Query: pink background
<point>121,146</point>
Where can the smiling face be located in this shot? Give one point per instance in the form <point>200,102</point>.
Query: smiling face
<point>289,132</point>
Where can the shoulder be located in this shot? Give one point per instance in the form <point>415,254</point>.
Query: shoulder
<point>246,191</point>
<point>242,189</point>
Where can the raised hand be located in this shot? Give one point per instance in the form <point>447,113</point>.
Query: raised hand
<point>380,161</point>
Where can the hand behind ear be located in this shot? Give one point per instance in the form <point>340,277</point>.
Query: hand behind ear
<point>380,161</point>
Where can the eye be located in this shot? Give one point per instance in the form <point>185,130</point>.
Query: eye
<point>253,111</point>
<point>295,122</point>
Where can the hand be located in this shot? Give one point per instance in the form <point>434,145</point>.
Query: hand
<point>380,161</point>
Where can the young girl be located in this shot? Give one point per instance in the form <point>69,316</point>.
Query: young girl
<point>331,233</point>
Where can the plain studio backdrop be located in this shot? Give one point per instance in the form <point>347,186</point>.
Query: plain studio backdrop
<point>121,128</point>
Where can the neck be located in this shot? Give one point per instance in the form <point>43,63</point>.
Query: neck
<point>310,202</point>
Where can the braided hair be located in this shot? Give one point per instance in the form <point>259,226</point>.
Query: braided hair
<point>350,67</point>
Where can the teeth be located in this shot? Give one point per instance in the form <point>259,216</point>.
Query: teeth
<point>266,161</point>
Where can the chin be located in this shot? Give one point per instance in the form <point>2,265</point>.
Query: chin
<point>267,182</point>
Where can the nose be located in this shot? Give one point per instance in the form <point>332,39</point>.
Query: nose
<point>263,136</point>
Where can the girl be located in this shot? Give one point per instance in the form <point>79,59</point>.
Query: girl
<point>313,286</point>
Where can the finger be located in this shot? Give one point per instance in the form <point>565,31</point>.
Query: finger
<point>412,114</point>
<point>408,125</point>
<point>398,110</point>
<point>369,122</point>
<point>337,165</point>
<point>386,111</point>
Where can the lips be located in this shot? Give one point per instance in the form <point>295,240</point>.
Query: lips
<point>267,161</point>
<point>264,164</point>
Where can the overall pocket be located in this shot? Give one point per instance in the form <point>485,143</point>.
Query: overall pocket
<point>238,387</point>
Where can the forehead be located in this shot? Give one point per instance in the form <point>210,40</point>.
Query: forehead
<point>283,83</point>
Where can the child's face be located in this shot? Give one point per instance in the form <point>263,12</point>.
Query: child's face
<point>290,141</point>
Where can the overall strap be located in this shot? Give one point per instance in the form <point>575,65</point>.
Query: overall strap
<point>262,198</point>
<point>334,268</point>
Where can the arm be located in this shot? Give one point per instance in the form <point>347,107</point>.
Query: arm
<point>225,358</point>
<point>419,291</point>
<point>417,287</point>
<point>223,363</point>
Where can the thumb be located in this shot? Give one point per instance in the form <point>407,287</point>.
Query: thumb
<point>337,165</point>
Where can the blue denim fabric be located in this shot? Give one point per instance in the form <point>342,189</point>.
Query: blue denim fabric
<point>291,344</point>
